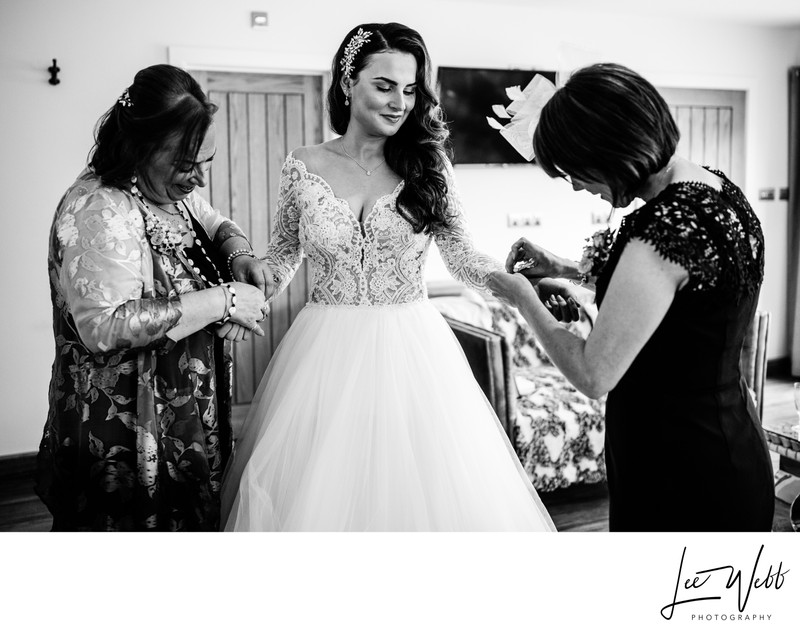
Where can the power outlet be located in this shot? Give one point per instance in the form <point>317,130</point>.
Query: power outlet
<point>523,220</point>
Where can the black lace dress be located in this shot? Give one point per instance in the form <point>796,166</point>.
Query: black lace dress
<point>684,446</point>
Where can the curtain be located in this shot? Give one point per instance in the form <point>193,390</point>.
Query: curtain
<point>794,218</point>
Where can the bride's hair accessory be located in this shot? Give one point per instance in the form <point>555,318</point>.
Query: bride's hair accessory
<point>523,112</point>
<point>351,50</point>
<point>125,99</point>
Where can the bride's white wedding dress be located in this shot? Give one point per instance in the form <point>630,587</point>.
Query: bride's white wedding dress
<point>368,417</point>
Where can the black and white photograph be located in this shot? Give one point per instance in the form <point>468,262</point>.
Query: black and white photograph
<point>432,314</point>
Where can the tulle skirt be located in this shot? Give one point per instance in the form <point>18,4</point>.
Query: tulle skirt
<point>369,419</point>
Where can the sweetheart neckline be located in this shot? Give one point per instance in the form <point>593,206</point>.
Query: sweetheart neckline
<point>324,183</point>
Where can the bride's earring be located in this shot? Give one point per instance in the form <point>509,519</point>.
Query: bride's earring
<point>346,99</point>
<point>134,187</point>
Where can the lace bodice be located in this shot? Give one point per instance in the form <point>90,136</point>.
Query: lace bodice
<point>377,263</point>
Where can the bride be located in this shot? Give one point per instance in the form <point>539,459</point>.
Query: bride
<point>368,416</point>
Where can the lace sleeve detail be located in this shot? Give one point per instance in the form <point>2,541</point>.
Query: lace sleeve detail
<point>678,229</point>
<point>455,244</point>
<point>284,252</point>
<point>102,245</point>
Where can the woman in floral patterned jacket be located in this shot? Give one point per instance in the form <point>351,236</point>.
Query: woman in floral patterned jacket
<point>142,283</point>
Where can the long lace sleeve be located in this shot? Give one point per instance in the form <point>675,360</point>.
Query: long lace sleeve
<point>101,275</point>
<point>463,261</point>
<point>284,252</point>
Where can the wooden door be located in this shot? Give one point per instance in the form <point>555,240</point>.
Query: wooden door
<point>261,118</point>
<point>711,123</point>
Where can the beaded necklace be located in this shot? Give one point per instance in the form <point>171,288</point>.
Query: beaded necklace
<point>167,239</point>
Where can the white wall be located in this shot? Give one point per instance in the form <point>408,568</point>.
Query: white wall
<point>100,44</point>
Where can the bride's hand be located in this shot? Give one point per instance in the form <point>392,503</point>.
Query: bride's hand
<point>254,271</point>
<point>510,288</point>
<point>536,261</point>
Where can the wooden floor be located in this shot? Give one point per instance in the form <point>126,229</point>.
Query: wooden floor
<point>576,509</point>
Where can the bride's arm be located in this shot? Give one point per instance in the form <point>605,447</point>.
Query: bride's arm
<point>465,263</point>
<point>284,252</point>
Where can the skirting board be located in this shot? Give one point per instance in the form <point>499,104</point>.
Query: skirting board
<point>20,465</point>
<point>779,368</point>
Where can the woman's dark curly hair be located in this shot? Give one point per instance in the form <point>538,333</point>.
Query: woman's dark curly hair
<point>607,124</point>
<point>165,102</point>
<point>419,151</point>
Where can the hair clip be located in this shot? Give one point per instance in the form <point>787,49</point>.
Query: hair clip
<point>351,50</point>
<point>125,99</point>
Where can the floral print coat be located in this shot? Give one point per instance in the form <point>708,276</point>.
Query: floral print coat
<point>138,428</point>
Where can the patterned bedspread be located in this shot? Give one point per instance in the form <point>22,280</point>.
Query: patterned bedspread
<point>559,432</point>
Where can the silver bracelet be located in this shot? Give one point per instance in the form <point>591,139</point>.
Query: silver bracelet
<point>236,254</point>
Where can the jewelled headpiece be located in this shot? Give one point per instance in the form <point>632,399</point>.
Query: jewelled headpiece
<point>524,113</point>
<point>125,99</point>
<point>351,50</point>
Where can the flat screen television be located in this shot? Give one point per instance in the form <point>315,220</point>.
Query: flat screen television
<point>467,96</point>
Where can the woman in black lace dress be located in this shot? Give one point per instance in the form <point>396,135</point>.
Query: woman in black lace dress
<point>677,290</point>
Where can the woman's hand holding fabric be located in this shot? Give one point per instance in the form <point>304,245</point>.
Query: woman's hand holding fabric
<point>251,307</point>
<point>255,272</point>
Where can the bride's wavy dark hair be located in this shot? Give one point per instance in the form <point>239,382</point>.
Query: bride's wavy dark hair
<point>419,151</point>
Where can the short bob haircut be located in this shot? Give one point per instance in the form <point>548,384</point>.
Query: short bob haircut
<point>165,102</point>
<point>607,124</point>
<point>419,151</point>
